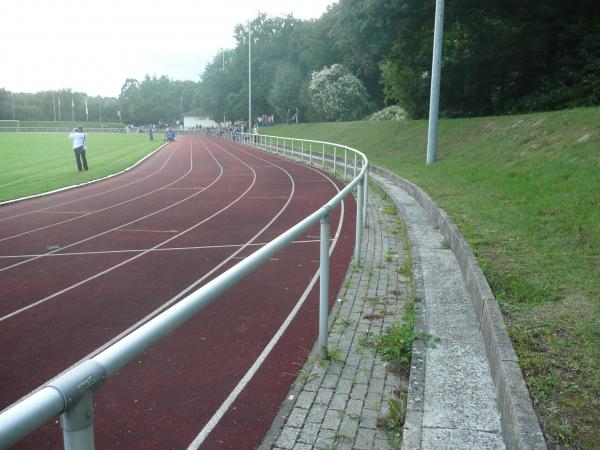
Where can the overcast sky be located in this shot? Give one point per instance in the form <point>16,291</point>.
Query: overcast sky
<point>93,46</point>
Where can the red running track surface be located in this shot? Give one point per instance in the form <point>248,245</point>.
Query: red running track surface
<point>84,266</point>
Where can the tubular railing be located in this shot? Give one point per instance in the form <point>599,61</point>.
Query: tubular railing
<point>70,395</point>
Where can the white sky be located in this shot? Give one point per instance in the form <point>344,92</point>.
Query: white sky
<point>93,46</point>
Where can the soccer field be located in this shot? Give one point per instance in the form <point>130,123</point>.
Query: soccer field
<point>40,162</point>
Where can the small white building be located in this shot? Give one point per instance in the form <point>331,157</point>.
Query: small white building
<point>197,118</point>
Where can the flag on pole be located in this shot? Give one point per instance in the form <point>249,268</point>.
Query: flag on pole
<point>59,109</point>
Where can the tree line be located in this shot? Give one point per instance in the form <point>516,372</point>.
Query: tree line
<point>499,57</point>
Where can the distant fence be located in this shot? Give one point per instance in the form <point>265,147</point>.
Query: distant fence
<point>14,129</point>
<point>70,395</point>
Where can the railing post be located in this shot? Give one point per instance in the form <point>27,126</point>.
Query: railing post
<point>310,153</point>
<point>324,287</point>
<point>345,164</point>
<point>302,156</point>
<point>359,221</point>
<point>355,165</point>
<point>78,424</point>
<point>323,160</point>
<point>334,158</point>
<point>366,197</point>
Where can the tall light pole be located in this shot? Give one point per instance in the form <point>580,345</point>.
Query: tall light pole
<point>249,77</point>
<point>12,100</point>
<point>223,70</point>
<point>436,72</point>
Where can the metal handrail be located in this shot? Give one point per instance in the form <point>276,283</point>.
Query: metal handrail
<point>70,394</point>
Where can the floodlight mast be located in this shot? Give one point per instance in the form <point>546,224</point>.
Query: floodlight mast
<point>249,77</point>
<point>436,71</point>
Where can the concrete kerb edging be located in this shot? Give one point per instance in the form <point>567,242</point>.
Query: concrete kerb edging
<point>520,426</point>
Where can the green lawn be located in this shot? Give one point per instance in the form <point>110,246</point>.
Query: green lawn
<point>525,192</point>
<point>40,162</point>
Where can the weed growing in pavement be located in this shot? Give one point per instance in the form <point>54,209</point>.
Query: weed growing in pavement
<point>340,439</point>
<point>390,210</point>
<point>365,340</point>
<point>334,354</point>
<point>445,244</point>
<point>406,269</point>
<point>373,300</point>
<point>306,376</point>
<point>389,255</point>
<point>346,283</point>
<point>315,359</point>
<point>354,416</point>
<point>393,421</point>
<point>344,323</point>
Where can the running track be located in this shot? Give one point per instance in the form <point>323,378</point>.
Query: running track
<point>82,267</point>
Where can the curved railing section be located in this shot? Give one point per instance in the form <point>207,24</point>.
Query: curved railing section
<point>70,395</point>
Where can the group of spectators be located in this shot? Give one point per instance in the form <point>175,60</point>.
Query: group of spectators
<point>292,115</point>
<point>266,120</point>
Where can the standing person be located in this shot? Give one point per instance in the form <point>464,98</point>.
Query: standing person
<point>150,133</point>
<point>79,147</point>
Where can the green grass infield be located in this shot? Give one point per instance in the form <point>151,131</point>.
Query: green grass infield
<point>40,162</point>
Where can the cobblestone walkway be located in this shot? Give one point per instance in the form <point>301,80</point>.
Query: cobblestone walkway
<point>337,406</point>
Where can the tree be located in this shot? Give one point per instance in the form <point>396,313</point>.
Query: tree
<point>285,88</point>
<point>338,94</point>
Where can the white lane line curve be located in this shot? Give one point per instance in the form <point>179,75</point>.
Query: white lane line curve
<point>222,410</point>
<point>182,293</point>
<point>166,249</point>
<point>124,224</point>
<point>133,258</point>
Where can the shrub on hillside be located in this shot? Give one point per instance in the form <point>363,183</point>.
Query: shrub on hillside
<point>338,94</point>
<point>393,113</point>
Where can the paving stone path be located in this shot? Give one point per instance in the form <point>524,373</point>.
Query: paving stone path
<point>338,406</point>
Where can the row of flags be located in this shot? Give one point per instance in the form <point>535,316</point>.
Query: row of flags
<point>73,109</point>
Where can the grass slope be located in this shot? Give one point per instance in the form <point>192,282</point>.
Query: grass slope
<point>525,192</point>
<point>40,162</point>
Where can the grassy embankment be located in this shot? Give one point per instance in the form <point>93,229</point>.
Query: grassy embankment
<point>40,162</point>
<point>525,192</point>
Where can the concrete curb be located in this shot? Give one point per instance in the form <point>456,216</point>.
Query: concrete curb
<point>520,426</point>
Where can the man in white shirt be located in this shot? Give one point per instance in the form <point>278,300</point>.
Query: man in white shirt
<point>79,147</point>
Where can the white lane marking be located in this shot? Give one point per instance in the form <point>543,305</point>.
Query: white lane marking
<point>124,224</point>
<point>86,211</point>
<point>186,290</point>
<point>152,250</point>
<point>110,269</point>
<point>218,415</point>
<point>147,231</point>
<point>185,188</point>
